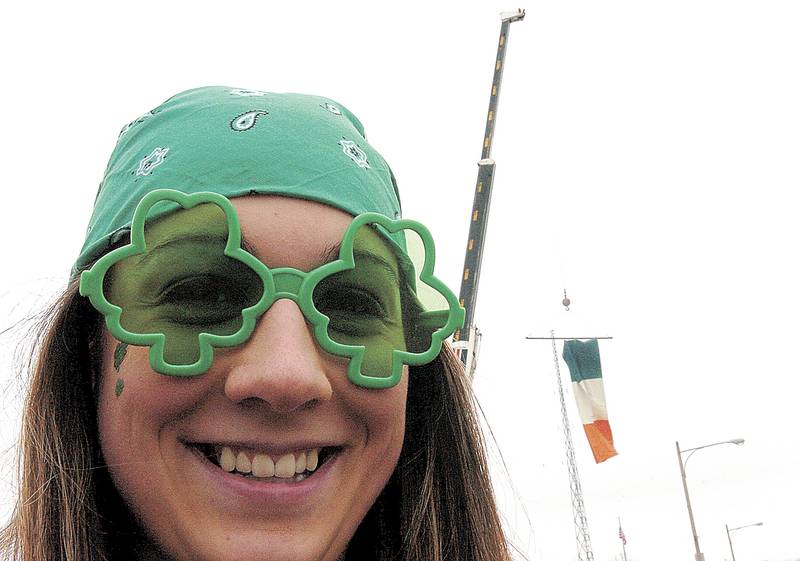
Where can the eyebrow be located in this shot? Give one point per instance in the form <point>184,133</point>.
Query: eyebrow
<point>177,242</point>
<point>332,254</point>
<point>248,247</point>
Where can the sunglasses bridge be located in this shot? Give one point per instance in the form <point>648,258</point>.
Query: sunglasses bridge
<point>288,283</point>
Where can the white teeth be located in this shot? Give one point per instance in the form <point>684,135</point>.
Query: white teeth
<point>312,459</point>
<point>284,467</point>
<point>264,466</point>
<point>227,460</point>
<point>300,462</point>
<point>242,463</point>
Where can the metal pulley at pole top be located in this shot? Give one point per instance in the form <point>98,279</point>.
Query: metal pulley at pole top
<point>467,340</point>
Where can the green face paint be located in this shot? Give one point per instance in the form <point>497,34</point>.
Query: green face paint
<point>185,285</point>
<point>119,355</point>
<point>118,387</point>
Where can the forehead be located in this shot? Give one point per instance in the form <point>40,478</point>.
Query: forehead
<point>287,232</point>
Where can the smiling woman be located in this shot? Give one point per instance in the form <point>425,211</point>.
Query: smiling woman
<point>249,362</point>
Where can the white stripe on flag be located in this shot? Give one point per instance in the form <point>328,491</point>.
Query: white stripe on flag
<point>591,400</point>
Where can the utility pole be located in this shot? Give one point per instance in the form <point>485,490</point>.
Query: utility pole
<point>698,556</point>
<point>729,530</point>
<point>730,543</point>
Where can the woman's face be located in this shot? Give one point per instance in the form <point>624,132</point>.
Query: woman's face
<point>277,399</point>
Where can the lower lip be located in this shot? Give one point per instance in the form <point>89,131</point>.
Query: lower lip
<point>273,492</point>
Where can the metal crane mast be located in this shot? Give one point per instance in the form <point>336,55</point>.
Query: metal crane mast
<point>468,345</point>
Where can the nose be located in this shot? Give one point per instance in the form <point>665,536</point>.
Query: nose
<point>280,363</point>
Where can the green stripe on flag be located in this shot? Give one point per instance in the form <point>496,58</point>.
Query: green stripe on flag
<point>583,359</point>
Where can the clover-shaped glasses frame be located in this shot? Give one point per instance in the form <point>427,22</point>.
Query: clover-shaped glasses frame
<point>284,282</point>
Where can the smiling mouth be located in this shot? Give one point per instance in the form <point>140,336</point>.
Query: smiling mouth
<point>291,467</point>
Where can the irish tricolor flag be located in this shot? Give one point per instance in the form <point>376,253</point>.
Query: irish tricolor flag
<point>583,360</point>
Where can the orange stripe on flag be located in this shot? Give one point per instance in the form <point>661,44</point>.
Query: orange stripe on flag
<point>600,439</point>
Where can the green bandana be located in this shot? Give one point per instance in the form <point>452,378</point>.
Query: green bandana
<point>237,142</point>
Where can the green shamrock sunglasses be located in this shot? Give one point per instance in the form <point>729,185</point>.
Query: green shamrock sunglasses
<point>185,284</point>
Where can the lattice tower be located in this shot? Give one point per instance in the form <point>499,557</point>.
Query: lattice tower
<point>582,538</point>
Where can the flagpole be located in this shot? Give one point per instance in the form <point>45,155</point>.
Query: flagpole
<point>622,537</point>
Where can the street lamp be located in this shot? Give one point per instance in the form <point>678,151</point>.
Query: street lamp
<point>729,530</point>
<point>738,441</point>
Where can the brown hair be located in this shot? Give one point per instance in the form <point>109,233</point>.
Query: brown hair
<point>437,505</point>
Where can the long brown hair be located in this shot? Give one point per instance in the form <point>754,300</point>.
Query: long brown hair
<point>437,505</point>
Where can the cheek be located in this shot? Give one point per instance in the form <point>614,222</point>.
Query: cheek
<point>136,403</point>
<point>383,414</point>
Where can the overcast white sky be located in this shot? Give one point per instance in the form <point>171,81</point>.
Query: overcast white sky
<point>647,161</point>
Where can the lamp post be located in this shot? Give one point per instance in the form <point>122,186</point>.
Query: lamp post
<point>729,530</point>
<point>738,441</point>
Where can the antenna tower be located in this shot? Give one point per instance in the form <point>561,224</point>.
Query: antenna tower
<point>582,538</point>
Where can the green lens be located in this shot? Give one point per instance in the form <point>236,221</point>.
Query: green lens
<point>427,309</point>
<point>183,284</point>
<point>365,304</point>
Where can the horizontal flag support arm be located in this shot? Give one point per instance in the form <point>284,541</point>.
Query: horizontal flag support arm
<point>565,338</point>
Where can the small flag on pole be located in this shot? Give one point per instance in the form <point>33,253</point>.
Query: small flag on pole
<point>622,536</point>
<point>583,360</point>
